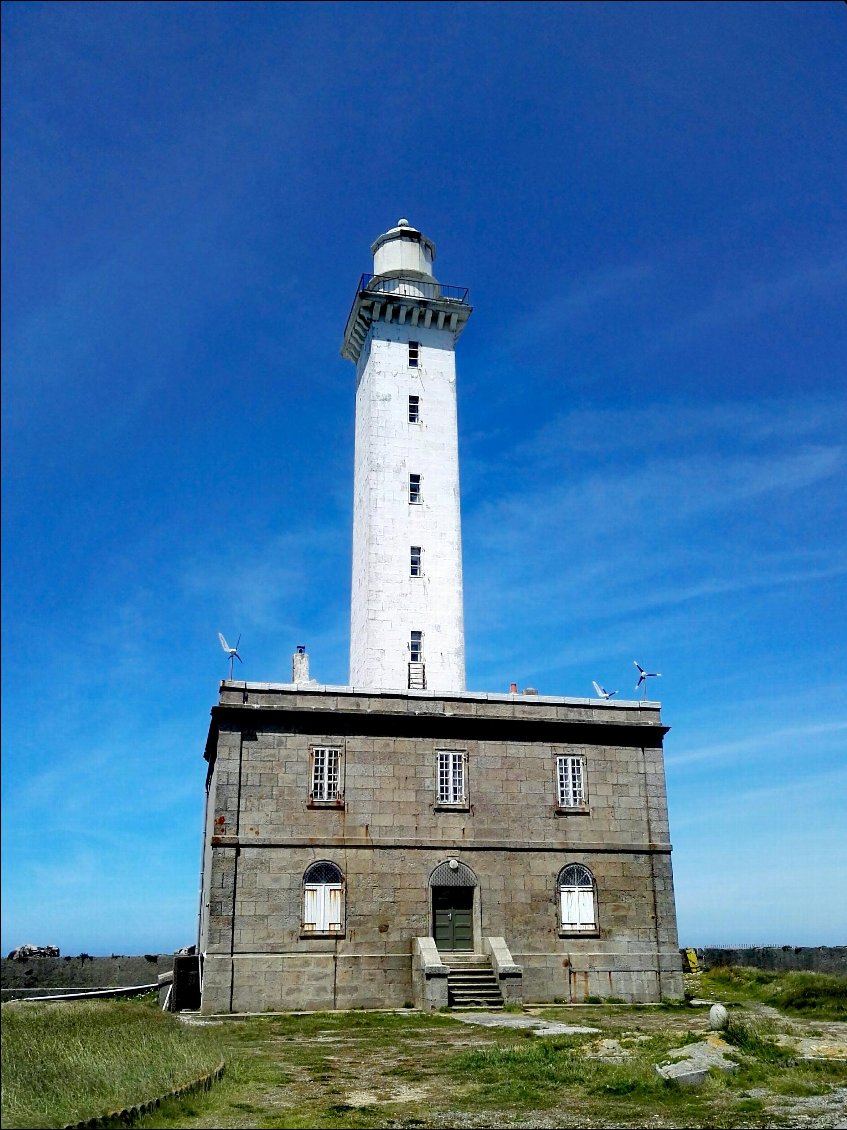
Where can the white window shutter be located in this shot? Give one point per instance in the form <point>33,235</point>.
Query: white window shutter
<point>569,907</point>
<point>586,907</point>
<point>311,907</point>
<point>333,908</point>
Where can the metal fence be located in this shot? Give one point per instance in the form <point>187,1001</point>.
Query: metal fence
<point>412,288</point>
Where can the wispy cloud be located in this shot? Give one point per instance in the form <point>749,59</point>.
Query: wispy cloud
<point>767,742</point>
<point>579,302</point>
<point>759,296</point>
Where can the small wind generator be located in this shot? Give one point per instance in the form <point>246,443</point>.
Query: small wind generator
<point>643,676</point>
<point>602,692</point>
<point>232,652</point>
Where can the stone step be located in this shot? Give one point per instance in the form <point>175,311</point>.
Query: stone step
<point>488,993</point>
<point>472,984</point>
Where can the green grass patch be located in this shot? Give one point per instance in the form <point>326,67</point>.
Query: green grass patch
<point>68,1062</point>
<point>818,996</point>
<point>744,1034</point>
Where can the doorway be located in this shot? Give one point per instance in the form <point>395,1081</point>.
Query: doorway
<point>452,917</point>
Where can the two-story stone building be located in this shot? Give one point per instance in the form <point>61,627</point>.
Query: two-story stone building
<point>401,839</point>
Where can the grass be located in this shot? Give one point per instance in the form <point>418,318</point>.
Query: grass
<point>64,1063</point>
<point>363,1071</point>
<point>748,1036</point>
<point>817,996</point>
<point>368,1070</point>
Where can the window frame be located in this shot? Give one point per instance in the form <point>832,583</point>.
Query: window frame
<point>336,800</point>
<point>414,355</point>
<point>581,807</point>
<point>324,893</point>
<point>414,409</point>
<point>575,929</point>
<point>416,567</point>
<point>415,484</point>
<point>457,757</point>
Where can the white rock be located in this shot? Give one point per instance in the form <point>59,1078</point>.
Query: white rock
<point>718,1017</point>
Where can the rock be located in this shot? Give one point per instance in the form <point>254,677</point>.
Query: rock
<point>553,1028</point>
<point>687,1073</point>
<point>24,953</point>
<point>718,1018</point>
<point>696,1060</point>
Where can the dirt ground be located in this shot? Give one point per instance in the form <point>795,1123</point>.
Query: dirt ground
<point>399,1070</point>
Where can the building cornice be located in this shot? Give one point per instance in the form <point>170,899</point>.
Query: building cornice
<point>436,307</point>
<point>443,844</point>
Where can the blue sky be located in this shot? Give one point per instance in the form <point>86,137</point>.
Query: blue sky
<point>647,203</point>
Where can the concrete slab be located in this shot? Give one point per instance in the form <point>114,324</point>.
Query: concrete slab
<point>516,1020</point>
<point>695,1061</point>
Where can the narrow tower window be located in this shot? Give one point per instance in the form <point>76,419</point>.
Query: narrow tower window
<point>417,669</point>
<point>414,488</point>
<point>414,354</point>
<point>415,561</point>
<point>414,409</point>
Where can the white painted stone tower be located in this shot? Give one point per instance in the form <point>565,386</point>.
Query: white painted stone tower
<point>407,621</point>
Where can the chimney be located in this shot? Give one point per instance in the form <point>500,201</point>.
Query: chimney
<point>300,665</point>
<point>513,688</point>
<point>530,690</point>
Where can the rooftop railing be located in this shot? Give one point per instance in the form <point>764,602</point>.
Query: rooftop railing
<point>412,288</point>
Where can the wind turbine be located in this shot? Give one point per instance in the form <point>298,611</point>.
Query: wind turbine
<point>602,692</point>
<point>643,676</point>
<point>232,652</point>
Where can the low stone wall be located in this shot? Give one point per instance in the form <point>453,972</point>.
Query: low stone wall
<point>816,959</point>
<point>39,975</point>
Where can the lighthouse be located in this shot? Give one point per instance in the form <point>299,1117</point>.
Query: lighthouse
<point>406,618</point>
<point>399,838</point>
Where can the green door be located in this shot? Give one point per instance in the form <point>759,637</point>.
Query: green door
<point>452,915</point>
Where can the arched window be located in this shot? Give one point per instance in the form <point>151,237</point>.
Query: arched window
<point>323,899</point>
<point>577,902</point>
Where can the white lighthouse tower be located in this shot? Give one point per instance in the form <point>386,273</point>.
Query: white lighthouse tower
<point>407,622</point>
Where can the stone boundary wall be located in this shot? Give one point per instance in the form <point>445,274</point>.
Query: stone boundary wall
<point>82,972</point>
<point>816,959</point>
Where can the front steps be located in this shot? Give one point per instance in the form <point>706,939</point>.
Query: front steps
<point>471,982</point>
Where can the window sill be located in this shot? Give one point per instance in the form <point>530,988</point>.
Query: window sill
<point>592,933</point>
<point>337,803</point>
<point>321,934</point>
<point>463,807</point>
<point>575,810</point>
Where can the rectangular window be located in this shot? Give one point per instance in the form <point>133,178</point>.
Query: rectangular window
<point>326,774</point>
<point>414,354</point>
<point>415,561</point>
<point>570,779</point>
<point>414,488</point>
<point>414,409</point>
<point>416,647</point>
<point>451,776</point>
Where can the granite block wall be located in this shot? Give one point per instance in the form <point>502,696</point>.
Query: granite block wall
<point>388,835</point>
